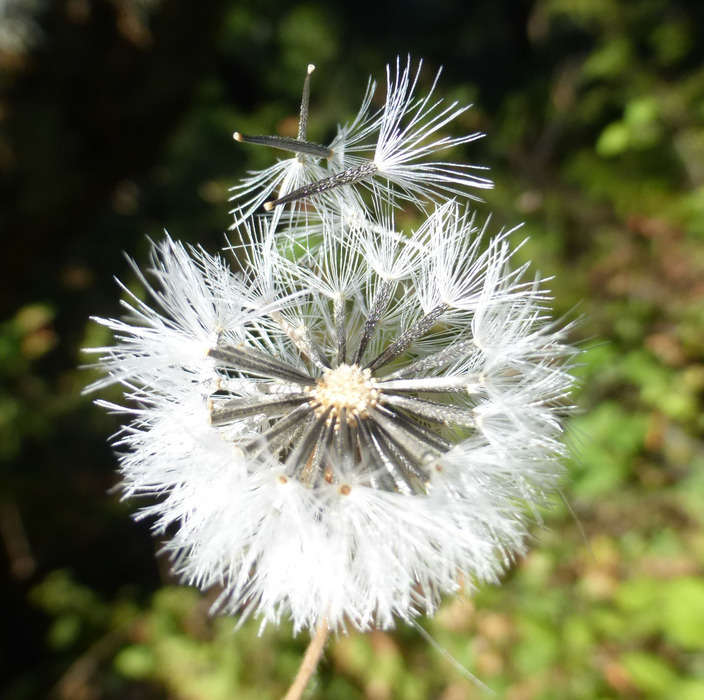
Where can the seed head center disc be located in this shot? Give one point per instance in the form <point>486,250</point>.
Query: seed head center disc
<point>347,387</point>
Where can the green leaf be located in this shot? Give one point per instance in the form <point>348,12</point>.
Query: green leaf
<point>649,673</point>
<point>613,140</point>
<point>683,613</point>
<point>136,662</point>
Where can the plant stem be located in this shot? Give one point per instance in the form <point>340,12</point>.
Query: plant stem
<point>310,661</point>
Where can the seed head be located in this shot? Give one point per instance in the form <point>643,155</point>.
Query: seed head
<point>358,421</point>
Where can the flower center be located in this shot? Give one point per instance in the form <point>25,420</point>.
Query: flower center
<point>347,387</point>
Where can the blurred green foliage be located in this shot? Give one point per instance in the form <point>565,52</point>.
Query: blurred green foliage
<point>115,122</point>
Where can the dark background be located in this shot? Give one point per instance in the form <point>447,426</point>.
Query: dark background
<point>115,123</point>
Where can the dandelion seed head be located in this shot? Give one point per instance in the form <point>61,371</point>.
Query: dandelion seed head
<point>361,419</point>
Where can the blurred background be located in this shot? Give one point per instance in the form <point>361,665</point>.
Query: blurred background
<point>116,119</point>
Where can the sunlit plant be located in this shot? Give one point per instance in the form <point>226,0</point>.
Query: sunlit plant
<point>358,420</point>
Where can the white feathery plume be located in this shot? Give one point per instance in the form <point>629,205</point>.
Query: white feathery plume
<point>383,151</point>
<point>408,130</point>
